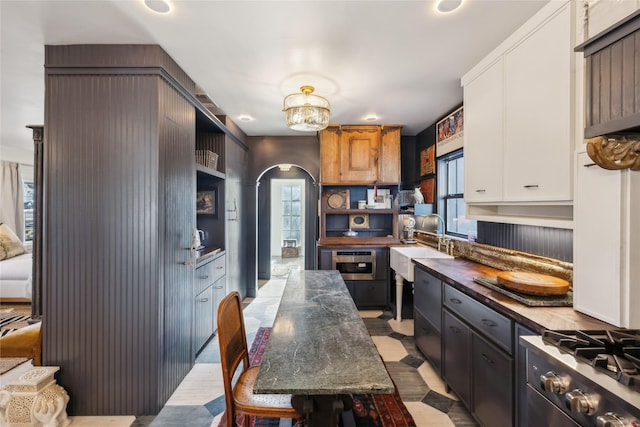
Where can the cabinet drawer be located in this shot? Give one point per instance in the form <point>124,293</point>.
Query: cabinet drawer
<point>208,273</point>
<point>494,325</point>
<point>427,297</point>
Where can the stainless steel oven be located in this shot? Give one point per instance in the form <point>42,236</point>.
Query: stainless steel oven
<point>354,265</point>
<point>583,378</point>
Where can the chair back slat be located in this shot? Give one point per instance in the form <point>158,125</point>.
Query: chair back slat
<point>232,339</point>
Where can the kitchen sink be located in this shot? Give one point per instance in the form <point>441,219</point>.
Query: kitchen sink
<point>400,258</point>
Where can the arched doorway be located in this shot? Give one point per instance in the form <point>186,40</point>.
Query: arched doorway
<point>276,215</point>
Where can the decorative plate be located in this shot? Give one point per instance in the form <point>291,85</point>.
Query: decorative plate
<point>338,199</point>
<point>335,201</point>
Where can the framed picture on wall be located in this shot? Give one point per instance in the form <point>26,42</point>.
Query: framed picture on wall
<point>427,188</point>
<point>207,202</point>
<point>449,132</point>
<point>428,161</point>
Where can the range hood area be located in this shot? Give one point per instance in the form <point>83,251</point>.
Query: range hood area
<point>612,98</point>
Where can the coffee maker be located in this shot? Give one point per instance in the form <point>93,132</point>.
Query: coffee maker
<point>408,226</point>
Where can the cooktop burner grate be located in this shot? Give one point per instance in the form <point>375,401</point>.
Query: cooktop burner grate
<point>613,352</point>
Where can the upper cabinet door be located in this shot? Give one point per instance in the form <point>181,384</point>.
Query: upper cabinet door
<point>538,115</point>
<point>389,163</point>
<point>360,153</point>
<point>330,155</point>
<point>483,116</point>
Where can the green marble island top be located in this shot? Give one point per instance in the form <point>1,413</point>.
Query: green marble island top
<point>319,345</point>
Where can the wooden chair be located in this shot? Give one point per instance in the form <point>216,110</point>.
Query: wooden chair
<point>240,399</point>
<point>24,342</point>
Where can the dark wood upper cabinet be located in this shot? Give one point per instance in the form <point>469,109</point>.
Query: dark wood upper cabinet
<point>612,95</point>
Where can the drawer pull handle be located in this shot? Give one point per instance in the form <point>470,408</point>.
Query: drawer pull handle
<point>489,323</point>
<point>487,359</point>
<point>204,299</point>
<point>481,190</point>
<point>454,329</point>
<point>455,300</point>
<point>531,186</point>
<point>203,277</point>
<point>219,267</point>
<point>219,287</point>
<point>588,165</point>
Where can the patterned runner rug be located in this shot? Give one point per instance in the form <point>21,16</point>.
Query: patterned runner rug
<point>369,410</point>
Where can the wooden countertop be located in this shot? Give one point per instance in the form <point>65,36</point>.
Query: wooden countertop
<point>460,273</point>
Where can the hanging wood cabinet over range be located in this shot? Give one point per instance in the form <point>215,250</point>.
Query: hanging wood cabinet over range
<point>612,97</point>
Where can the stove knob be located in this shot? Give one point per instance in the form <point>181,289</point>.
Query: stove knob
<point>580,402</point>
<point>611,420</point>
<point>552,383</point>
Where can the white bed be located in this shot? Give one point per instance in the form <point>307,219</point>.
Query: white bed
<point>15,278</point>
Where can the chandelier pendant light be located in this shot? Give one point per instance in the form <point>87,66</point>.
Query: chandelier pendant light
<point>305,111</point>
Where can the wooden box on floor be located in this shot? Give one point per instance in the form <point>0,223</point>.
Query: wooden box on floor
<point>289,249</point>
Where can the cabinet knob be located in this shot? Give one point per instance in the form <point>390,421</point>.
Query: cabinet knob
<point>579,402</point>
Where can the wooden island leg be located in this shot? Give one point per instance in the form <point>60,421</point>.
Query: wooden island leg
<point>324,410</point>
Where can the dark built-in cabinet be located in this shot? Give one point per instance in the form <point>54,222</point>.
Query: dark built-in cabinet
<point>612,96</point>
<point>119,299</point>
<point>470,345</point>
<point>480,339</point>
<point>370,292</point>
<point>427,316</point>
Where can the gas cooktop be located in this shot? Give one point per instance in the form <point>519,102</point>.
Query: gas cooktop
<point>613,352</point>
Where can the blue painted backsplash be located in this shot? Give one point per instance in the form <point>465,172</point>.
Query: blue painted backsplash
<point>555,243</point>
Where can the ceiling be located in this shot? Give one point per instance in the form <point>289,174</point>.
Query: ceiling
<point>397,59</point>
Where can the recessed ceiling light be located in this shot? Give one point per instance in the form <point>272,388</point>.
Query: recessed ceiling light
<point>160,6</point>
<point>447,6</point>
<point>371,117</point>
<point>245,118</point>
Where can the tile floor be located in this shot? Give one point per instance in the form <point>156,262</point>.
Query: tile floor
<point>199,400</point>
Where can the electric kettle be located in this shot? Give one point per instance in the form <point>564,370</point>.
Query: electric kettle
<point>198,238</point>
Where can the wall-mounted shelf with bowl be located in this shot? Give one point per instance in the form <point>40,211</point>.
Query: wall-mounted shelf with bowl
<point>376,224</point>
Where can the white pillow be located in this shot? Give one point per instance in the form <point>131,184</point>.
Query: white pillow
<point>10,245</point>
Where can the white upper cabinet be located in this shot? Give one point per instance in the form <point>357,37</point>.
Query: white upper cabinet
<point>483,107</point>
<point>519,124</point>
<point>538,115</point>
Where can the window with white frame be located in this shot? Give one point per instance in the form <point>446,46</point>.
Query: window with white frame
<point>291,212</point>
<point>451,205</point>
